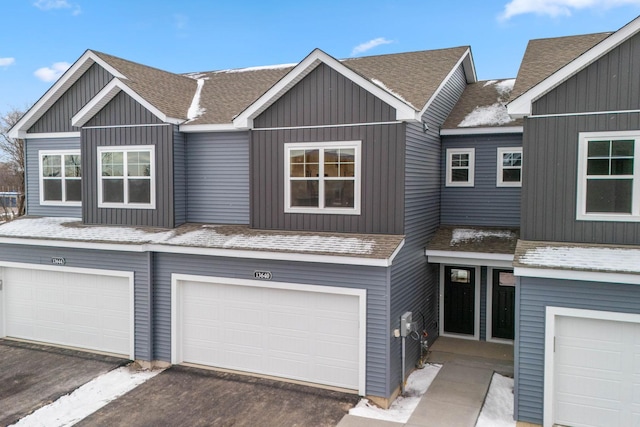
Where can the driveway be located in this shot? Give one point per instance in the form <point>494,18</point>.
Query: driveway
<point>197,397</point>
<point>33,375</point>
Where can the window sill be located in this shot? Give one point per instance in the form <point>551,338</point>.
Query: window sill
<point>325,211</point>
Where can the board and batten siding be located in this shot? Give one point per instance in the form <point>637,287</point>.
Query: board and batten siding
<point>32,176</point>
<point>103,260</point>
<point>159,136</point>
<point>533,296</point>
<point>217,168</point>
<point>179,177</point>
<point>484,204</point>
<point>325,97</point>
<point>58,117</point>
<point>123,110</point>
<point>373,279</point>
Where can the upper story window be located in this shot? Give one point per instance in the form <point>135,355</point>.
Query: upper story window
<point>60,178</point>
<point>323,177</point>
<point>460,167</point>
<point>126,177</point>
<point>609,176</point>
<point>509,167</point>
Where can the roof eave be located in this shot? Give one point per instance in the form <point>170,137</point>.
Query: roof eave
<point>482,130</point>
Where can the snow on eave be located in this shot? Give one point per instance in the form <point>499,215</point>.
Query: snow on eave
<point>619,260</point>
<point>195,110</point>
<point>460,235</point>
<point>257,68</point>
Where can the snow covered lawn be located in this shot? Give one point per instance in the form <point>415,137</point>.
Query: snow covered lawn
<point>71,408</point>
<point>498,405</point>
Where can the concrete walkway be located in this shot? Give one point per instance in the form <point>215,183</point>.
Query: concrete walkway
<point>457,393</point>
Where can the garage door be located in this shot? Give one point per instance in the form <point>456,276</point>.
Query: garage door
<point>308,336</point>
<point>596,372</point>
<point>88,311</point>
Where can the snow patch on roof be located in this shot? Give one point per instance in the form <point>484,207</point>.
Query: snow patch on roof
<point>383,86</point>
<point>489,83</point>
<point>461,235</point>
<point>259,68</point>
<point>584,258</point>
<point>505,87</point>
<point>494,114</point>
<point>195,110</point>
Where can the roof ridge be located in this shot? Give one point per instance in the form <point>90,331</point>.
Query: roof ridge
<point>107,55</point>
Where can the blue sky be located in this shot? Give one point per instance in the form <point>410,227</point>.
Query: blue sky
<point>39,39</point>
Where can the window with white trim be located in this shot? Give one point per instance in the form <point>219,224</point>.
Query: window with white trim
<point>126,177</point>
<point>609,176</point>
<point>509,167</point>
<point>460,167</point>
<point>323,177</point>
<point>60,178</point>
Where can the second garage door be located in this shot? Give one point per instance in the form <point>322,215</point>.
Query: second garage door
<point>312,336</point>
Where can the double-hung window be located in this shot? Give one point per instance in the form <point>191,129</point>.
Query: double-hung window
<point>509,167</point>
<point>609,176</point>
<point>126,177</point>
<point>60,178</point>
<point>323,177</point>
<point>460,167</point>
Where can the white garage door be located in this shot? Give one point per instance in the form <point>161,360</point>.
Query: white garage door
<point>596,372</point>
<point>73,309</point>
<point>307,336</point>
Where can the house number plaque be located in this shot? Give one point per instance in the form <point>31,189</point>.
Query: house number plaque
<point>262,275</point>
<point>58,261</point>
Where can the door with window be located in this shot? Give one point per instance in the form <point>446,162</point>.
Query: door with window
<point>459,300</point>
<point>503,303</point>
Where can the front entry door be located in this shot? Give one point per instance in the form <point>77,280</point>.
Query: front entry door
<point>503,304</point>
<point>459,300</point>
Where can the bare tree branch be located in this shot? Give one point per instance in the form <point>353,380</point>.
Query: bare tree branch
<point>13,152</point>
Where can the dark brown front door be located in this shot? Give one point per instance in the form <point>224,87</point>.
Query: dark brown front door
<point>459,300</point>
<point>503,304</point>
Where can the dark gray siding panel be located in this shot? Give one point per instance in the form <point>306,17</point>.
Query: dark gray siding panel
<point>373,279</point>
<point>218,176</point>
<point>484,204</point>
<point>611,83</point>
<point>58,117</point>
<point>32,174</point>
<point>123,110</point>
<point>104,260</point>
<point>550,153</point>
<point>162,138</point>
<point>325,97</point>
<point>414,282</point>
<point>534,296</point>
<point>382,204</point>
<point>179,176</point>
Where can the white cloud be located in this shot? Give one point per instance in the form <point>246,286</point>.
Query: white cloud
<point>363,47</point>
<point>58,4</point>
<point>49,74</point>
<point>556,8</point>
<point>5,62</point>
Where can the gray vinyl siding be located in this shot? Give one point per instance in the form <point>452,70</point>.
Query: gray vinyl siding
<point>373,279</point>
<point>32,176</point>
<point>534,296</point>
<point>325,97</point>
<point>179,177</point>
<point>484,204</point>
<point>382,181</point>
<point>609,84</point>
<point>414,282</point>
<point>550,154</point>
<point>58,117</point>
<point>104,260</point>
<point>123,110</point>
<point>218,177</point>
<point>159,136</point>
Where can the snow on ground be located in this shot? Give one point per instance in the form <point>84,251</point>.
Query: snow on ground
<point>468,234</point>
<point>401,408</point>
<point>71,408</point>
<point>498,405</point>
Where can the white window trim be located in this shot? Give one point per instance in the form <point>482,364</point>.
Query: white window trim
<point>63,178</point>
<point>125,205</point>
<point>581,199</point>
<point>500,168</point>
<point>355,210</point>
<point>472,163</point>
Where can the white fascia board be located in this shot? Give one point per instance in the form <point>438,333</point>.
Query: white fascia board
<point>72,75</point>
<point>53,135</point>
<point>482,131</point>
<point>245,119</point>
<point>589,276</point>
<point>72,244</point>
<point>521,106</point>
<point>470,258</point>
<point>223,127</point>
<point>470,74</point>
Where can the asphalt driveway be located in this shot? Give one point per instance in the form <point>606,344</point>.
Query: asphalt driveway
<point>197,397</point>
<point>34,375</point>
